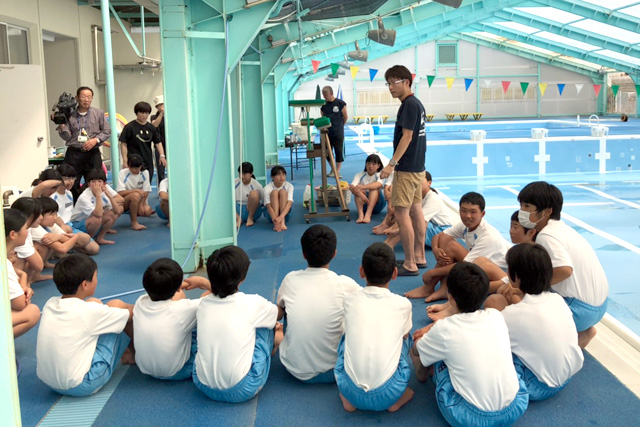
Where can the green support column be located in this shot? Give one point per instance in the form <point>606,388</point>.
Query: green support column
<point>270,121</point>
<point>254,144</point>
<point>280,111</point>
<point>194,48</point>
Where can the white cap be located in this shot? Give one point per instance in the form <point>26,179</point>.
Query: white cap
<point>158,100</point>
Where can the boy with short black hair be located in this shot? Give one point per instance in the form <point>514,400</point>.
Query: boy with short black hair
<point>278,199</point>
<point>578,275</point>
<point>64,197</point>
<point>476,382</point>
<point>80,340</point>
<point>372,370</point>
<point>134,186</point>
<point>312,301</point>
<point>235,331</point>
<point>544,340</point>
<point>164,322</point>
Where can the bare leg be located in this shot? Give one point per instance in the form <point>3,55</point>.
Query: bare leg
<point>86,245</point>
<point>25,319</point>
<point>275,205</point>
<point>407,237</point>
<point>129,356</point>
<point>360,206</point>
<point>132,203</point>
<point>277,339</point>
<point>419,230</point>
<point>373,199</point>
<point>108,218</point>
<point>495,273</point>
<point>34,268</point>
<point>253,202</point>
<point>404,399</point>
<point>346,404</point>
<point>496,301</point>
<point>420,370</point>
<point>427,288</point>
<point>585,337</point>
<point>164,207</point>
<point>282,194</point>
<point>440,293</point>
<point>439,311</point>
<point>392,240</point>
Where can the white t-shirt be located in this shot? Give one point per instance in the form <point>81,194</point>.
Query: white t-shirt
<point>588,282</point>
<point>484,241</point>
<point>313,300</point>
<point>130,181</point>
<point>26,193</point>
<point>86,204</point>
<point>544,337</point>
<point>67,336</point>
<point>38,233</point>
<point>26,250</point>
<point>475,346</point>
<point>271,186</point>
<point>227,336</point>
<point>242,191</point>
<point>163,186</point>
<point>363,178</point>
<point>65,205</point>
<point>163,334</point>
<point>15,290</point>
<point>435,210</point>
<point>375,322</point>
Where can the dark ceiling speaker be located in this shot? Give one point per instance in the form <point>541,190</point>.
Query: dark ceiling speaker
<point>382,36</point>
<point>451,3</point>
<point>358,55</point>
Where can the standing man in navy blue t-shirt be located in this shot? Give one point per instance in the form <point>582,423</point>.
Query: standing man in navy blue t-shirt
<point>409,150</point>
<point>336,110</point>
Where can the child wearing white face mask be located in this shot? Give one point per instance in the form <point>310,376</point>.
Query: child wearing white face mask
<point>577,273</point>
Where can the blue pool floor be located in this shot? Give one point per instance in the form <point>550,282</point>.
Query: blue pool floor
<point>593,397</point>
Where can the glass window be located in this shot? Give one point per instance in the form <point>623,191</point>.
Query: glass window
<point>4,45</point>
<point>18,45</point>
<point>447,54</point>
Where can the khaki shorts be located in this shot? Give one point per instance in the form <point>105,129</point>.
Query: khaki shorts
<point>406,189</point>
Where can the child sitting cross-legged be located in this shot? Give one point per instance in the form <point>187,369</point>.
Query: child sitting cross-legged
<point>235,331</point>
<point>80,340</point>
<point>544,339</point>
<point>134,186</point>
<point>164,322</point>
<point>26,257</point>
<point>476,382</point>
<point>373,366</point>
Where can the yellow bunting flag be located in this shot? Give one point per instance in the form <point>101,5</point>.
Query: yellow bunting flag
<point>543,88</point>
<point>354,71</point>
<point>450,81</point>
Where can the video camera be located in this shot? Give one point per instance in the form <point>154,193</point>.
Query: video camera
<point>63,109</point>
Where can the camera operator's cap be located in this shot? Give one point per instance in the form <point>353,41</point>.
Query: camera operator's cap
<point>158,100</point>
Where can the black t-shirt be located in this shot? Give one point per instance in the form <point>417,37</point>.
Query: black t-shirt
<point>160,129</point>
<point>411,116</point>
<point>333,110</point>
<point>138,139</point>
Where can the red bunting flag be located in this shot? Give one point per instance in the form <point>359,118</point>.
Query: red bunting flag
<point>315,65</point>
<point>505,86</point>
<point>596,89</point>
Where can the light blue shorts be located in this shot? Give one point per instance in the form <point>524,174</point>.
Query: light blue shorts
<point>459,412</point>
<point>432,231</point>
<point>537,389</point>
<point>255,379</point>
<point>585,315</point>
<point>187,369</point>
<point>245,212</point>
<point>383,397</point>
<point>109,350</point>
<point>324,378</point>
<point>161,214</point>
<point>79,225</point>
<point>380,204</point>
<point>265,212</point>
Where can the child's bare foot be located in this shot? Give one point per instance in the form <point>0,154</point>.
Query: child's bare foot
<point>128,358</point>
<point>366,219</point>
<point>41,277</point>
<point>137,226</point>
<point>404,399</point>
<point>48,265</point>
<point>439,311</point>
<point>346,404</point>
<point>360,219</point>
<point>250,222</point>
<point>238,222</point>
<point>420,292</point>
<point>441,293</point>
<point>104,242</point>
<point>168,225</point>
<point>585,337</point>
<point>112,231</point>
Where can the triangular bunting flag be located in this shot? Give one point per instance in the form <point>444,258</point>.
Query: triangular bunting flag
<point>561,88</point>
<point>450,81</point>
<point>524,86</point>
<point>487,83</point>
<point>315,65</point>
<point>372,73</point>
<point>542,87</point>
<point>467,83</point>
<point>596,89</point>
<point>354,71</point>
<point>505,86</point>
<point>339,95</point>
<point>578,88</point>
<point>430,80</point>
<point>334,68</point>
<point>638,90</point>
<point>615,88</point>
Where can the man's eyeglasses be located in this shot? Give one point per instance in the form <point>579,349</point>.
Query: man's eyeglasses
<point>394,83</point>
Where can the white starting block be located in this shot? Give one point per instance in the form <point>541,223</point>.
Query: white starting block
<point>599,131</point>
<point>478,135</point>
<point>539,133</point>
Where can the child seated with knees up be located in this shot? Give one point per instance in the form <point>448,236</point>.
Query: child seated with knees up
<point>389,219</point>
<point>164,322</point>
<point>476,382</point>
<point>249,196</point>
<point>134,186</point>
<point>373,366</point>
<point>544,339</point>
<point>481,239</point>
<point>235,331</point>
<point>47,183</point>
<point>162,208</point>
<point>577,273</point>
<point>27,258</point>
<point>80,340</point>
<point>278,199</point>
<point>312,302</point>
<point>24,315</point>
<point>366,187</point>
<point>64,198</point>
<point>95,210</point>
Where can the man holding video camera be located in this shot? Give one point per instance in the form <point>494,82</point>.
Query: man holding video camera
<point>85,131</point>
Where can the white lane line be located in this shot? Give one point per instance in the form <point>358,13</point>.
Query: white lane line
<point>603,234</point>
<point>610,197</point>
<point>564,205</point>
